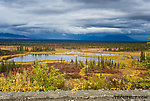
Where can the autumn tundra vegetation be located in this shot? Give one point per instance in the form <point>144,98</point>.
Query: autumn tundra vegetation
<point>128,69</point>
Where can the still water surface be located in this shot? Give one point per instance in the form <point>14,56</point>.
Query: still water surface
<point>67,56</point>
<point>58,56</point>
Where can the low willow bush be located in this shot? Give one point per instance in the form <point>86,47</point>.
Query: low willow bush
<point>40,78</point>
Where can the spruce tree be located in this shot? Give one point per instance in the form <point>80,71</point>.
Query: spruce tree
<point>100,68</point>
<point>21,48</point>
<point>81,63</point>
<point>142,56</point>
<point>27,49</point>
<point>94,63</point>
<point>102,62</point>
<point>18,49</point>
<point>61,60</point>
<point>3,67</point>
<point>86,62</point>
<point>76,62</point>
<point>91,64</point>
<point>115,65</point>
<point>98,62</point>
<point>86,71</point>
<point>13,64</point>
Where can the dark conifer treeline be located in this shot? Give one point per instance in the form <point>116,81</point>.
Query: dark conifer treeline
<point>49,46</point>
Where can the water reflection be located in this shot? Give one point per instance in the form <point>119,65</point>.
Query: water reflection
<point>52,57</point>
<point>67,56</point>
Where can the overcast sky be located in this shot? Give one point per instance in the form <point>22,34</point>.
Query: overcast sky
<point>53,18</point>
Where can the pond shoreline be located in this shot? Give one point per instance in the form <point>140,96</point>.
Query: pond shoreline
<point>65,56</point>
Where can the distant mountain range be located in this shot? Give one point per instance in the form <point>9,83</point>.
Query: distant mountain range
<point>111,38</point>
<point>106,38</point>
<point>12,36</point>
<point>82,37</point>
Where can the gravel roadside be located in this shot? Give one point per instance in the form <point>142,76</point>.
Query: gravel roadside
<point>82,95</point>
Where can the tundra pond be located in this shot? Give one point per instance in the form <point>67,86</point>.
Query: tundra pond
<point>66,56</point>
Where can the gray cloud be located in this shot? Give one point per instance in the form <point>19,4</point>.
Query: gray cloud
<point>75,16</point>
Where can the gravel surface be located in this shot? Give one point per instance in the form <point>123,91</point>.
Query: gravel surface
<point>83,95</point>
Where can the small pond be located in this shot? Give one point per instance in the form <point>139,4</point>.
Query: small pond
<point>67,56</point>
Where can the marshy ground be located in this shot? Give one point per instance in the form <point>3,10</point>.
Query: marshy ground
<point>118,69</point>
